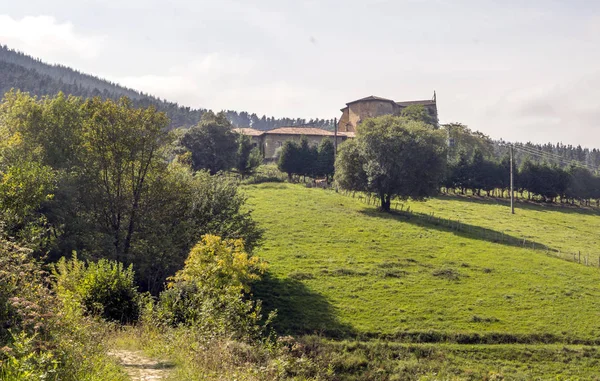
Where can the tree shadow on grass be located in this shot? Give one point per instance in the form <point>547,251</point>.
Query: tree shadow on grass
<point>458,228</point>
<point>299,309</point>
<point>521,203</point>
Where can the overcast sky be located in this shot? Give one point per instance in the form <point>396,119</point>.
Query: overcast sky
<point>518,70</point>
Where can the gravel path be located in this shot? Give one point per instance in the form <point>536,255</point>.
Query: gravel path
<point>140,367</point>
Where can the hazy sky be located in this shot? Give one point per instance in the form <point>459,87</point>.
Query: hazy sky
<point>518,70</point>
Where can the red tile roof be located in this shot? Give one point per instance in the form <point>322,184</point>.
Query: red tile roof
<point>248,131</point>
<point>371,98</point>
<point>402,103</point>
<point>422,103</point>
<point>312,131</point>
<point>309,131</point>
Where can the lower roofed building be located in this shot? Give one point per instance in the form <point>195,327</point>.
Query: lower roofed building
<point>271,140</point>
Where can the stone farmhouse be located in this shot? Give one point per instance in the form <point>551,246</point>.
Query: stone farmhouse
<point>372,106</point>
<point>356,111</point>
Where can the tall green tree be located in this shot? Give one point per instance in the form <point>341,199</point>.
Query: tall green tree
<point>212,143</point>
<point>290,159</point>
<point>463,139</point>
<point>121,154</point>
<point>399,158</point>
<point>419,113</point>
<point>326,159</point>
<point>307,159</point>
<point>248,157</point>
<point>349,167</point>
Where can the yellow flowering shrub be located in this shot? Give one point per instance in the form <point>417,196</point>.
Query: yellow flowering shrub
<point>222,263</point>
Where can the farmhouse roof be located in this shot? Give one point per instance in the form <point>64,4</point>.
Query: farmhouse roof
<point>421,103</point>
<point>370,98</point>
<point>312,131</point>
<point>248,131</point>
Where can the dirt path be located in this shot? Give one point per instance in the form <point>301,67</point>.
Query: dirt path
<point>140,367</point>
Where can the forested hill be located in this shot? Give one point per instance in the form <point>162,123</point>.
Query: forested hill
<point>23,72</point>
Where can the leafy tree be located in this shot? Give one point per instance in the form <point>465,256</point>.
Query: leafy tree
<point>399,158</point>
<point>248,157</point>
<point>121,154</point>
<point>547,181</point>
<point>527,177</point>
<point>24,189</point>
<point>326,159</point>
<point>212,143</point>
<point>583,183</point>
<point>484,175</point>
<point>349,167</point>
<point>419,113</point>
<point>307,159</point>
<point>463,139</point>
<point>458,172</point>
<point>290,158</point>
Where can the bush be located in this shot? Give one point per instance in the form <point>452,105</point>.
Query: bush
<point>24,299</point>
<point>38,339</point>
<point>103,289</point>
<point>212,291</point>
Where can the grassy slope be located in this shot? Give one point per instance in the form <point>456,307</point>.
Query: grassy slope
<point>338,264</point>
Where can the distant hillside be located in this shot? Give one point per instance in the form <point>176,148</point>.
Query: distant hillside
<point>20,71</point>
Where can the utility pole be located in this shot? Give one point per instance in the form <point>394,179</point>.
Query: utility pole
<point>512,190</point>
<point>335,136</point>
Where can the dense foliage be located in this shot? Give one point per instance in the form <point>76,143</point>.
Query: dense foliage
<point>306,160</point>
<point>209,293</point>
<point>547,182</point>
<point>548,172</point>
<point>92,176</point>
<point>248,157</point>
<point>39,338</point>
<point>393,157</point>
<point>420,114</point>
<point>104,288</point>
<point>211,144</point>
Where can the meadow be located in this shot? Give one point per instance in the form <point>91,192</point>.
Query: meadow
<point>339,268</point>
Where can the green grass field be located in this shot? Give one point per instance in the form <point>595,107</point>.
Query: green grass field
<point>342,268</point>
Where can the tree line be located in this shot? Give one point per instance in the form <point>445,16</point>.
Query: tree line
<point>303,159</point>
<point>536,180</point>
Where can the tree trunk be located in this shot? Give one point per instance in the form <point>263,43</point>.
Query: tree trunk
<point>386,202</point>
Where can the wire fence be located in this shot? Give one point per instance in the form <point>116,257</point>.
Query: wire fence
<point>430,219</point>
<point>460,227</point>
